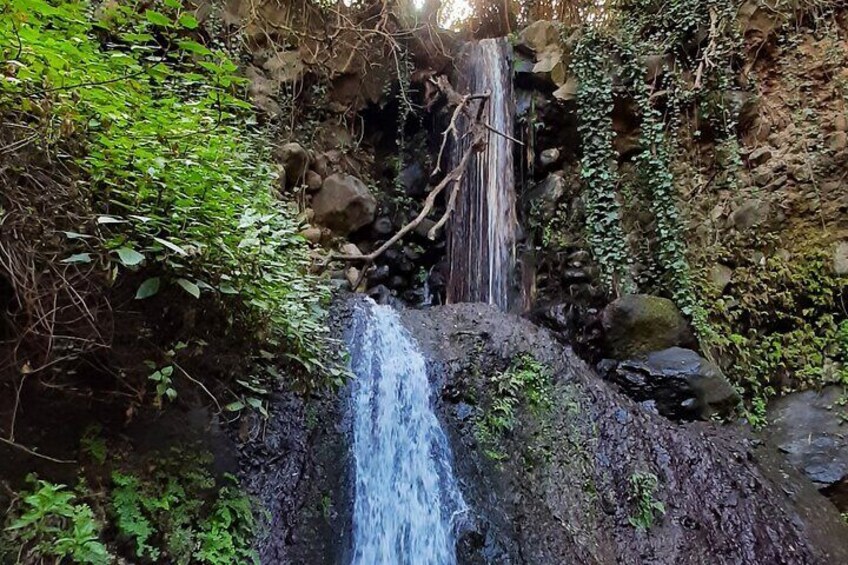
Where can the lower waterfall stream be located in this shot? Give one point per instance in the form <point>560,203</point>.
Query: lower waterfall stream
<point>406,499</point>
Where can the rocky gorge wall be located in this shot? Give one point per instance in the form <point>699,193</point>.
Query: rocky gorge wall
<point>755,186</point>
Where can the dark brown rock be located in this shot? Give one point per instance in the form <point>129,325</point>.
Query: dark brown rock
<point>295,159</point>
<point>561,493</point>
<point>344,204</point>
<point>679,383</point>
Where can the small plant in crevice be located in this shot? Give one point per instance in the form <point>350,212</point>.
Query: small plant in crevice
<point>93,445</point>
<point>526,382</point>
<point>642,497</point>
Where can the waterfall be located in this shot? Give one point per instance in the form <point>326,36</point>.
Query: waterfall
<point>481,237</point>
<point>406,498</point>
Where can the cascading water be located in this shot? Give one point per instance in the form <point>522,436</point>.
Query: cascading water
<point>481,237</point>
<point>406,499</point>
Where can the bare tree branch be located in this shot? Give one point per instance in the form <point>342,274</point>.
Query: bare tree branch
<point>478,130</point>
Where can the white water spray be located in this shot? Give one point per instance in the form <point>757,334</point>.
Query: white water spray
<point>406,499</point>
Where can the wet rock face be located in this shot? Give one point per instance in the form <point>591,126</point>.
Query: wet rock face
<point>344,204</point>
<point>297,463</point>
<point>546,196</point>
<point>638,324</point>
<point>811,429</point>
<point>681,384</point>
<point>558,487</point>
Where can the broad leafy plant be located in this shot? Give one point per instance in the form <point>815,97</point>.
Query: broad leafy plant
<point>170,159</point>
<point>49,523</point>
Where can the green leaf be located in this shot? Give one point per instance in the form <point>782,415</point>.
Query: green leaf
<point>157,18</point>
<point>194,47</point>
<point>171,246</point>
<point>148,288</point>
<point>129,257</point>
<point>188,21</point>
<point>78,258</point>
<point>189,287</point>
<point>234,406</point>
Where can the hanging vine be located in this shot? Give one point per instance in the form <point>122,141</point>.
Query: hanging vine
<point>598,170</point>
<point>644,33</point>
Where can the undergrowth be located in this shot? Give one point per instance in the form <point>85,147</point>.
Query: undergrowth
<point>173,187</point>
<point>171,511</point>
<point>782,325</point>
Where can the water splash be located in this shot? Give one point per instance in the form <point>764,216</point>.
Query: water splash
<point>482,233</point>
<point>406,501</point>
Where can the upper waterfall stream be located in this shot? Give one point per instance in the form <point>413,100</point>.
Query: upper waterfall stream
<point>406,498</point>
<point>483,227</point>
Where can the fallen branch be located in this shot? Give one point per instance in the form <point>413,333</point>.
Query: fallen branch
<point>453,179</point>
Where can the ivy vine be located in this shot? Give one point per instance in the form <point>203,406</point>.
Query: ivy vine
<point>592,66</point>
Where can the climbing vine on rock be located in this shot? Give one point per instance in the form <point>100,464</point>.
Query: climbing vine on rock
<point>654,167</point>
<point>606,238</point>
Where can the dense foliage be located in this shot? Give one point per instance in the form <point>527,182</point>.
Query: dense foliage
<point>174,512</point>
<point>777,326</point>
<point>171,166</point>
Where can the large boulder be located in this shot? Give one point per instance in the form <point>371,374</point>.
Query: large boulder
<point>539,36</point>
<point>638,324</point>
<point>811,429</point>
<point>557,485</point>
<point>543,199</point>
<point>678,382</point>
<point>344,204</point>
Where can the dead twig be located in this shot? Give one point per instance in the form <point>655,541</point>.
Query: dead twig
<point>29,451</point>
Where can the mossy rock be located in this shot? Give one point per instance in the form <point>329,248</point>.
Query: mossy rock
<point>637,324</point>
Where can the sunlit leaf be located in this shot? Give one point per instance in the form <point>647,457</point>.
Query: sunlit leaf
<point>189,287</point>
<point>75,235</point>
<point>110,220</point>
<point>78,258</point>
<point>234,406</point>
<point>188,21</point>
<point>194,47</point>
<point>129,257</point>
<point>171,246</point>
<point>157,18</point>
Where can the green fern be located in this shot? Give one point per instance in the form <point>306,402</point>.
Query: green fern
<point>128,504</point>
